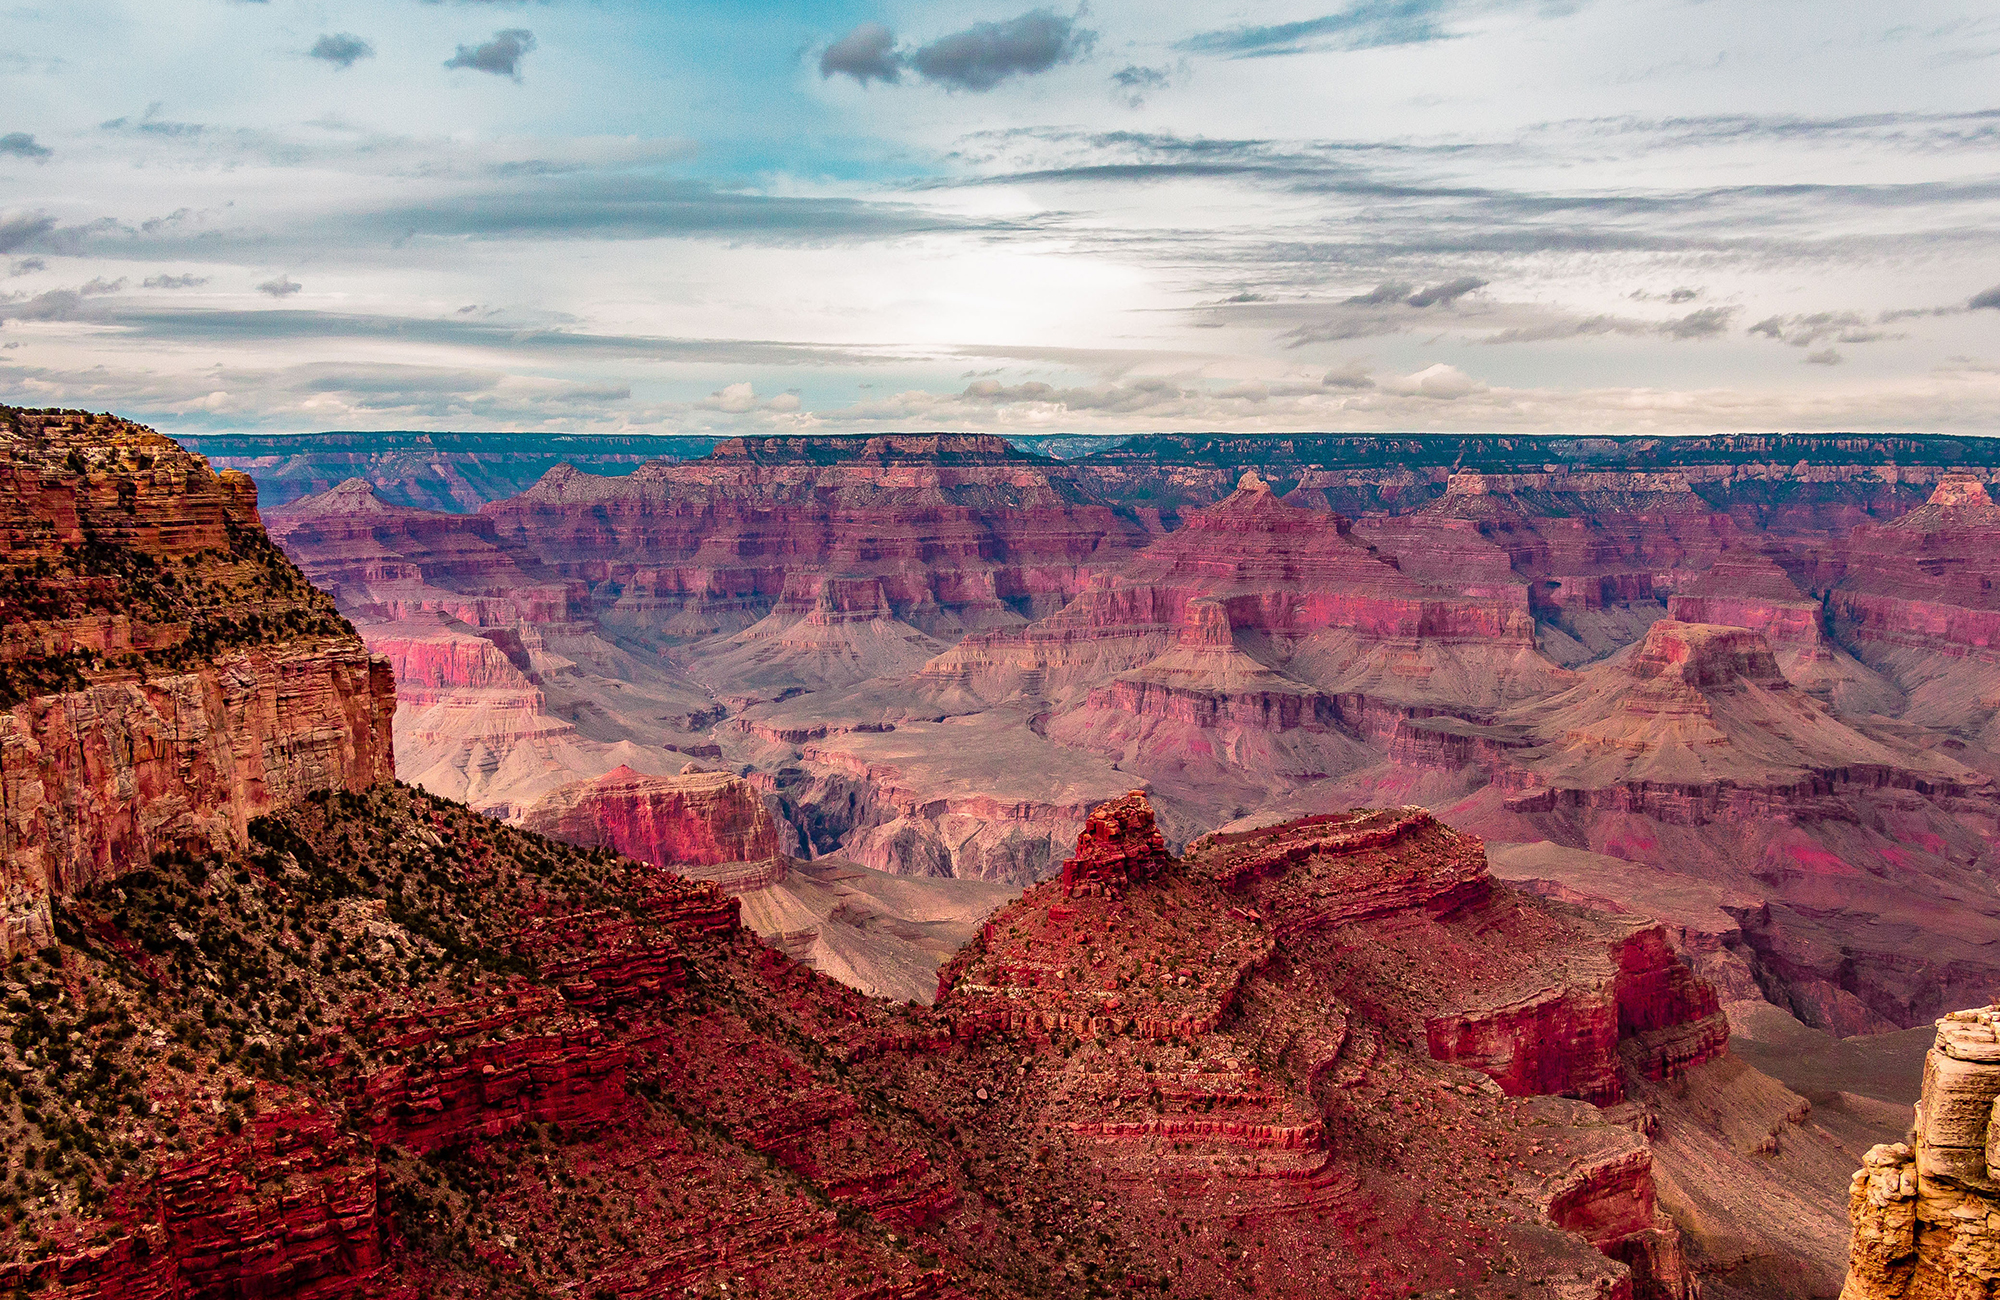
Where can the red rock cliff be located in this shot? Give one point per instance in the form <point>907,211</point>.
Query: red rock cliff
<point>694,819</point>
<point>165,673</point>
<point>960,531</point>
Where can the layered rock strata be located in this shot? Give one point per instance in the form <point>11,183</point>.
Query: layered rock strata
<point>575,1072</point>
<point>505,690</point>
<point>1926,1212</point>
<point>1694,752</point>
<point>1118,846</point>
<point>696,819</point>
<point>885,935</point>
<point>1186,964</point>
<point>167,675</point>
<point>1916,599</point>
<point>959,531</point>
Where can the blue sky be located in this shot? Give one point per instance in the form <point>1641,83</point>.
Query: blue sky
<point>1541,215</point>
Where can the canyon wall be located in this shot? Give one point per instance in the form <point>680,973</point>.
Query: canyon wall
<point>167,674</point>
<point>1132,964</point>
<point>936,654</point>
<point>696,819</point>
<point>959,531</point>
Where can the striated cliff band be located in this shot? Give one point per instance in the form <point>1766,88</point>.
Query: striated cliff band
<point>1926,1210</point>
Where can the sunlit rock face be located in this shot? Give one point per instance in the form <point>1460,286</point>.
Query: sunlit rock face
<point>1926,1212</point>
<point>167,674</point>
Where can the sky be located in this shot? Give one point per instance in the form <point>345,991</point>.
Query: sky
<point>1564,216</point>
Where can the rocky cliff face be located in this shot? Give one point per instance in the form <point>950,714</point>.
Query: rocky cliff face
<point>167,674</point>
<point>1251,647</point>
<point>1118,847</point>
<point>696,819</point>
<point>1695,751</point>
<point>1919,601</point>
<point>415,1049</point>
<point>1471,641</point>
<point>1926,1212</point>
<point>382,562</point>
<point>505,690</point>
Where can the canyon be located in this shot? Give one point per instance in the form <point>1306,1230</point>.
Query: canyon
<point>967,869</point>
<point>322,1033</point>
<point>934,655</point>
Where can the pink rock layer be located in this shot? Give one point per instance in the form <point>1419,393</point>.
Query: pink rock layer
<point>694,819</point>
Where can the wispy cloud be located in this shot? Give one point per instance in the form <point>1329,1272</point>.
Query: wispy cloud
<point>1369,25</point>
<point>1135,84</point>
<point>1706,323</point>
<point>221,326</point>
<point>521,203</point>
<point>1804,330</point>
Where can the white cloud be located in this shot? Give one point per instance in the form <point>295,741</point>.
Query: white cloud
<point>734,399</point>
<point>1439,382</point>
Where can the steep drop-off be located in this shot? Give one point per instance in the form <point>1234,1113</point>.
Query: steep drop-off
<point>167,675</point>
<point>955,532</point>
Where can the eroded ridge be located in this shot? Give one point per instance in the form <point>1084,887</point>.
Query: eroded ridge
<point>1228,1031</point>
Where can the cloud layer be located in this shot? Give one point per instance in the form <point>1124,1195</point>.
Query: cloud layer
<point>1189,214</point>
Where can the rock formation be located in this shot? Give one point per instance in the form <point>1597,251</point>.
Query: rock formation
<point>959,531</point>
<point>884,935</point>
<point>1383,924</point>
<point>575,1072</point>
<point>167,675</point>
<point>1118,847</point>
<point>1695,752</point>
<point>505,690</point>
<point>981,797</point>
<point>373,1043</point>
<point>936,655</point>
<point>696,819</point>
<point>1154,665</point>
<point>1916,599</point>
<point>1926,1212</point>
